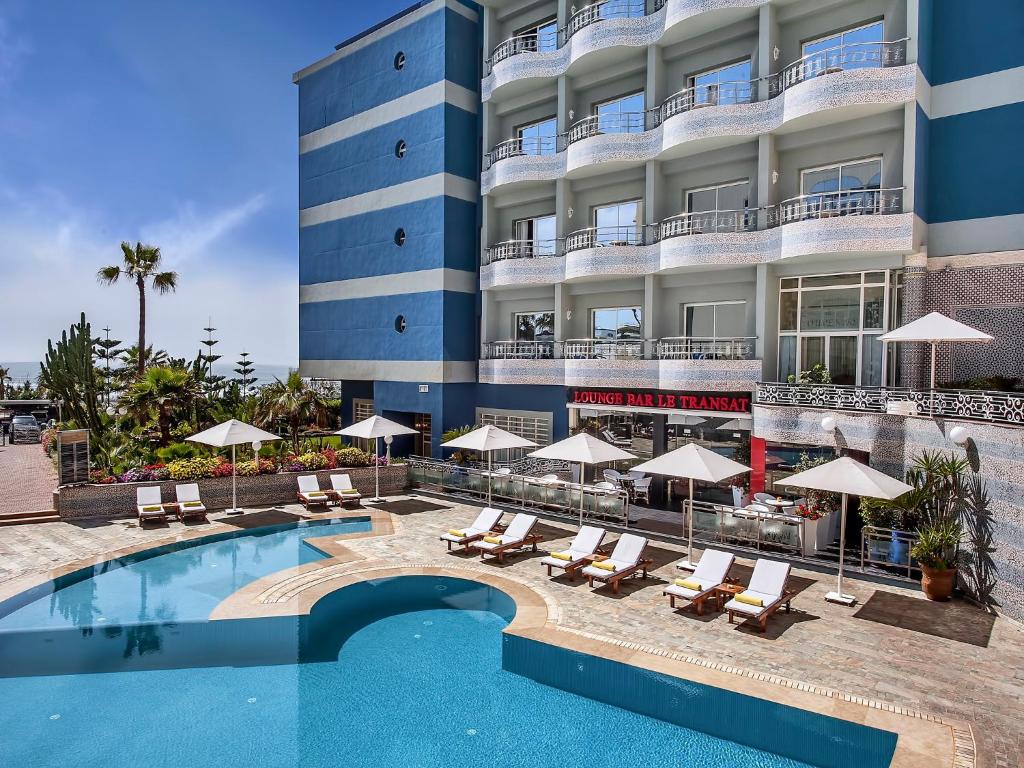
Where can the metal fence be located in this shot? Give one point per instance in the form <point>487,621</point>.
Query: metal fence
<point>841,58</point>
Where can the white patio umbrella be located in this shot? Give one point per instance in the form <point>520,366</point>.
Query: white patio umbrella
<point>582,449</point>
<point>374,428</point>
<point>486,439</point>
<point>848,477</point>
<point>234,432</point>
<point>932,329</point>
<point>693,462</point>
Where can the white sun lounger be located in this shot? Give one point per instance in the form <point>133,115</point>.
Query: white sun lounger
<point>343,488</point>
<point>767,585</point>
<point>149,504</point>
<point>710,572</point>
<point>625,560</point>
<point>516,536</point>
<point>189,503</point>
<point>485,522</point>
<point>309,492</point>
<point>587,540</point>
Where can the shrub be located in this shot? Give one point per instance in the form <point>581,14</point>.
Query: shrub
<point>175,451</point>
<point>192,469</point>
<point>101,477</point>
<point>224,469</point>
<point>352,457</point>
<point>48,440</point>
<point>332,457</point>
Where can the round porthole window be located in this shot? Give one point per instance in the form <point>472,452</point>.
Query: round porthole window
<point>399,237</point>
<point>400,148</point>
<point>400,323</point>
<point>399,60</point>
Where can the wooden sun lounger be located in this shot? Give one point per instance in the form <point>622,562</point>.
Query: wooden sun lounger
<point>762,618</point>
<point>615,577</point>
<point>499,552</point>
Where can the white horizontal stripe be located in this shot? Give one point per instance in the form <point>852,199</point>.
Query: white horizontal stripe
<point>995,89</point>
<point>422,281</point>
<point>400,194</point>
<point>972,260</point>
<point>988,235</point>
<point>423,371</point>
<point>380,34</point>
<point>439,93</point>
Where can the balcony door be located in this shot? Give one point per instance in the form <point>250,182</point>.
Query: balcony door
<point>540,37</point>
<point>617,324</point>
<point>617,223</point>
<point>535,326</point>
<point>855,48</point>
<point>624,114</point>
<point>724,207</point>
<point>723,85</point>
<point>537,234</point>
<point>538,138</point>
<point>846,188</point>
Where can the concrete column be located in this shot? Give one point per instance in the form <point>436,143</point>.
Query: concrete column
<point>490,32</point>
<point>914,360</point>
<point>762,326</point>
<point>767,175</point>
<point>650,291</point>
<point>564,203</point>
<point>563,303</point>
<point>563,14</point>
<point>489,125</point>
<point>660,444</point>
<point>909,160</point>
<point>767,39</point>
<point>653,185</point>
<point>654,89</point>
<point>487,316</point>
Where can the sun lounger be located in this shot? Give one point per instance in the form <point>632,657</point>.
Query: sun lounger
<point>625,560</point>
<point>309,493</point>
<point>577,555</point>
<point>517,536</point>
<point>189,503</point>
<point>710,573</point>
<point>766,592</point>
<point>149,504</point>
<point>485,522</point>
<point>344,491</point>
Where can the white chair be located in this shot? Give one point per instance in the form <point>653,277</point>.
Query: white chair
<point>485,522</point>
<point>709,574</point>
<point>149,504</point>
<point>626,559</point>
<point>618,442</point>
<point>766,592</point>
<point>612,476</point>
<point>764,497</point>
<point>634,475</point>
<point>739,498</point>
<point>309,492</point>
<point>343,488</point>
<point>604,485</point>
<point>587,540</point>
<point>642,489</point>
<point>517,536</point>
<point>189,503</point>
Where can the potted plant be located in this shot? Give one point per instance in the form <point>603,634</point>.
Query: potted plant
<point>937,550</point>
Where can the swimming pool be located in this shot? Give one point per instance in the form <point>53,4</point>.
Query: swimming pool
<point>404,671</point>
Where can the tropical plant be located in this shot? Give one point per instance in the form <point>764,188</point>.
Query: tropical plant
<point>5,375</point>
<point>176,451</point>
<point>455,432</point>
<point>819,503</point>
<point>193,469</point>
<point>817,374</point>
<point>159,392</point>
<point>292,400</point>
<point>141,264</point>
<point>68,375</point>
<point>938,544</point>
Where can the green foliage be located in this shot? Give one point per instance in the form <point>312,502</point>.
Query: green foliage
<point>293,401</point>
<point>353,457</point>
<point>68,375</point>
<point>987,383</point>
<point>192,469</point>
<point>160,392</point>
<point>818,374</point>
<point>819,502</point>
<point>938,544</point>
<point>175,451</point>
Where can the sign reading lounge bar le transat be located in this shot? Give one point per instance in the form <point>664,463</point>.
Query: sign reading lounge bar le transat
<point>723,402</point>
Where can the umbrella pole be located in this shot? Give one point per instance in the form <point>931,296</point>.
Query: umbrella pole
<point>234,471</point>
<point>376,469</point>
<point>931,393</point>
<point>838,596</point>
<point>581,494</point>
<point>488,478</point>
<point>689,537</point>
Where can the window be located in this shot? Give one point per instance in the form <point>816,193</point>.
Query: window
<point>835,321</point>
<point>854,48</point>
<point>542,36</point>
<point>622,115</point>
<point>399,237</point>
<point>399,61</point>
<point>538,138</point>
<point>539,231</point>
<point>725,85</point>
<point>534,326</point>
<point>734,196</point>
<point>400,149</point>
<point>842,189</point>
<point>362,410</point>
<point>618,224</point>
<point>400,324</point>
<point>715,320</point>
<point>617,324</point>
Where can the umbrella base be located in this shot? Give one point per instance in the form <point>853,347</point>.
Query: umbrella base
<point>835,597</point>
<point>686,565</point>
<point>234,511</point>
<point>375,500</point>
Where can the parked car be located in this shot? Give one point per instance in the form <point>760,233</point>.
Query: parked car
<point>25,429</point>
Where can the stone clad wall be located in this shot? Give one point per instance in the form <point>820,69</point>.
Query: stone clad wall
<point>996,454</point>
<point>118,500</point>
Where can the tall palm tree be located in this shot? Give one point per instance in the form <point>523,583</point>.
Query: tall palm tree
<point>294,400</point>
<point>160,391</point>
<point>141,264</point>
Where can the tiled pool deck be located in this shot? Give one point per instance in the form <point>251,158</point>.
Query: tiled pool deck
<point>895,649</point>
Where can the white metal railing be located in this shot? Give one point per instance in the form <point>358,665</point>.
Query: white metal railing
<point>603,11</point>
<point>703,222</point>
<point>839,59</point>
<point>529,43</point>
<point>696,97</point>
<point>823,205</point>
<point>520,249</point>
<point>518,350</point>
<point>595,125</point>
<point>534,146</point>
<point>887,548</point>
<point>606,349</point>
<point>599,237</point>
<point>704,348</point>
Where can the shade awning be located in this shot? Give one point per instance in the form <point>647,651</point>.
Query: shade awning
<point>694,462</point>
<point>232,432</point>
<point>374,427</point>
<point>489,438</point>
<point>935,327</point>
<point>582,448</point>
<point>845,475</point>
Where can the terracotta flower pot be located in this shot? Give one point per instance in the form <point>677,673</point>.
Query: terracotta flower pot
<point>937,583</point>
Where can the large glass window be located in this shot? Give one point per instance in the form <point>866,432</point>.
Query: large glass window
<point>539,138</point>
<point>539,231</point>
<point>842,189</point>
<point>618,224</point>
<point>854,48</point>
<point>546,34</point>
<point>835,321</point>
<point>733,196</point>
<point>621,115</point>
<point>617,323</point>
<point>717,320</point>
<point>535,326</point>
<point>724,85</point>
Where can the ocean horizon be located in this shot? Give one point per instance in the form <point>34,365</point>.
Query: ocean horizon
<point>264,373</point>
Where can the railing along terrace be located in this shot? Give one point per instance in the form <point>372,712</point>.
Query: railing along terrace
<point>518,350</point>
<point>973,405</point>
<point>705,222</point>
<point>704,348</point>
<point>619,122</point>
<point>743,527</point>
<point>839,59</point>
<point>604,349</point>
<point>528,43</point>
<point>520,249</point>
<point>698,96</point>
<point>603,11</point>
<point>599,237</point>
<point>535,146</point>
<point>824,205</point>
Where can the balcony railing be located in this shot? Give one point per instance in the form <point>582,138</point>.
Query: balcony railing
<point>839,59</point>
<point>699,96</point>
<point>603,349</point>
<point>705,348</point>
<point>529,43</point>
<point>704,222</point>
<point>595,125</point>
<point>521,249</point>
<point>974,405</point>
<point>603,11</point>
<point>518,350</point>
<point>824,205</point>
<point>533,146</point>
<point>599,237</point>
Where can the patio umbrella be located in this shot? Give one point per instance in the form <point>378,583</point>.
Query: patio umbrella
<point>486,439</point>
<point>932,329</point>
<point>582,449</point>
<point>374,428</point>
<point>693,462</point>
<point>233,432</point>
<point>848,477</point>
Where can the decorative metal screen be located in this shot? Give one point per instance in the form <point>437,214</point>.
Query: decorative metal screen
<point>73,456</point>
<point>535,428</point>
<point>362,410</point>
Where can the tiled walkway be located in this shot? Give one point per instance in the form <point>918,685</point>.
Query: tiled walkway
<point>951,660</point>
<point>27,479</point>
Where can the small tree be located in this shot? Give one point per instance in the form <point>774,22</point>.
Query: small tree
<point>159,392</point>
<point>292,400</point>
<point>68,374</point>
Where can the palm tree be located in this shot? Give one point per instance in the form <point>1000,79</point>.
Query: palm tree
<point>5,374</point>
<point>160,391</point>
<point>292,399</point>
<point>141,263</point>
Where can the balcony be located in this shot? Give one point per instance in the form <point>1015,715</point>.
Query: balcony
<point>601,237</point>
<point>604,10</point>
<point>842,58</point>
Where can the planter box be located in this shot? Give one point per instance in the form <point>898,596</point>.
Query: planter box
<point>118,499</point>
<point>817,535</point>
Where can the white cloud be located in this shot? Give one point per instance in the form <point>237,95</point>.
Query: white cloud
<point>50,250</point>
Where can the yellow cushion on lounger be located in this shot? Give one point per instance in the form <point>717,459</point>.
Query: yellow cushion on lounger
<point>458,533</point>
<point>743,597</point>
<point>688,584</point>
<point>605,565</point>
<point>193,504</point>
<point>349,492</point>
<point>153,508</point>
<point>316,493</point>
<point>492,539</point>
<point>562,556</point>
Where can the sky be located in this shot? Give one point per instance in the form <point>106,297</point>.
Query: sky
<point>170,123</point>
